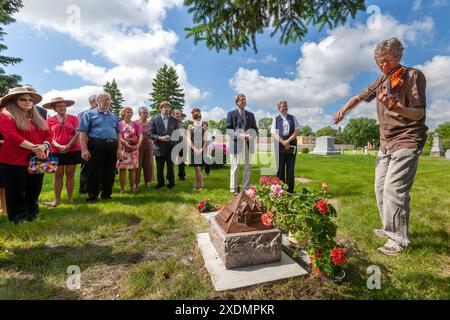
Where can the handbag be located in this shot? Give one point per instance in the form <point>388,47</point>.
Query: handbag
<point>39,166</point>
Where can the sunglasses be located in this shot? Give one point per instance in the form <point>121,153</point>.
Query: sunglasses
<point>26,100</point>
<point>197,117</point>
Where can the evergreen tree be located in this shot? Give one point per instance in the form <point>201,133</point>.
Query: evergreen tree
<point>7,9</point>
<point>117,99</point>
<point>232,24</point>
<point>166,88</point>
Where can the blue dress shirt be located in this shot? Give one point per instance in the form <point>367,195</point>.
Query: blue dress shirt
<point>100,125</point>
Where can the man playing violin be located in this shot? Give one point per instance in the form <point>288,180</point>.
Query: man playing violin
<point>401,103</point>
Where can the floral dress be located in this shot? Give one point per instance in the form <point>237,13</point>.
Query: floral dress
<point>130,133</point>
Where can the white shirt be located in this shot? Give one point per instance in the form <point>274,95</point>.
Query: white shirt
<point>286,126</point>
<point>165,121</point>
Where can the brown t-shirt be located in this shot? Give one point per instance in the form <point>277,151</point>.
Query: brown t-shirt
<point>398,132</point>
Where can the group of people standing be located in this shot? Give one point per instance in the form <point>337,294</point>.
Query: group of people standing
<point>103,144</point>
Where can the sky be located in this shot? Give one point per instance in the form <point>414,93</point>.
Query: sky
<point>71,48</point>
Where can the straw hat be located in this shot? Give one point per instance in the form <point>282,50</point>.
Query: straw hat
<point>18,91</point>
<point>51,104</point>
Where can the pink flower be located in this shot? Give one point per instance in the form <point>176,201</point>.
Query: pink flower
<point>251,192</point>
<point>276,191</point>
<point>267,219</point>
<point>322,206</point>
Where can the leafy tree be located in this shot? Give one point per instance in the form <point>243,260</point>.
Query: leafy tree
<point>306,131</point>
<point>7,9</point>
<point>265,124</point>
<point>234,24</point>
<point>212,125</point>
<point>360,131</point>
<point>327,131</point>
<point>166,88</point>
<point>444,130</point>
<point>117,99</point>
<point>187,123</point>
<point>222,126</point>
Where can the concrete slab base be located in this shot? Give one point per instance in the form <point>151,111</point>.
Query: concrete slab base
<point>224,279</point>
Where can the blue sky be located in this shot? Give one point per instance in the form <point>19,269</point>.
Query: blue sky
<point>74,55</point>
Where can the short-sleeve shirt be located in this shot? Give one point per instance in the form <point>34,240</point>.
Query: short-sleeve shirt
<point>100,125</point>
<point>63,132</point>
<point>398,132</point>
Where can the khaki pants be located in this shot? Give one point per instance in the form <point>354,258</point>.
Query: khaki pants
<point>393,181</point>
<point>243,158</point>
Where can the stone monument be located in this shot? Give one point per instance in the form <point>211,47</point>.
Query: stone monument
<point>240,237</point>
<point>447,154</point>
<point>437,150</point>
<point>325,146</point>
<point>366,151</point>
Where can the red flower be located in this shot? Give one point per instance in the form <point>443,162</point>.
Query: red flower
<point>322,206</point>
<point>267,219</point>
<point>201,204</point>
<point>338,256</point>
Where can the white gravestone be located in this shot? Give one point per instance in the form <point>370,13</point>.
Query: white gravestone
<point>325,146</point>
<point>447,154</point>
<point>366,150</point>
<point>437,150</point>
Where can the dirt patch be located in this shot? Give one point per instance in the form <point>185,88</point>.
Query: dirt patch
<point>303,180</point>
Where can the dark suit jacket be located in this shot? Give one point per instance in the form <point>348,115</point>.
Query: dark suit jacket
<point>233,129</point>
<point>157,129</point>
<point>42,112</point>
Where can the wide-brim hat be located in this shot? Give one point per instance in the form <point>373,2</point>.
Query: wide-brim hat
<point>18,91</point>
<point>51,104</point>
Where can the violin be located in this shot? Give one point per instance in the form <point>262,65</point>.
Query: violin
<point>394,83</point>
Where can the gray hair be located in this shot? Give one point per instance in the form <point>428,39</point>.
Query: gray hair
<point>391,45</point>
<point>102,95</point>
<point>141,109</point>
<point>238,96</point>
<point>281,102</point>
<point>92,98</point>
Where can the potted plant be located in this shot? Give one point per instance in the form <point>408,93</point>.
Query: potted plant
<point>307,215</point>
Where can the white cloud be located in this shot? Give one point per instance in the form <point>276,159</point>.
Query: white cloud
<point>439,3</point>
<point>266,60</point>
<point>417,5</point>
<point>325,68</point>
<point>128,34</point>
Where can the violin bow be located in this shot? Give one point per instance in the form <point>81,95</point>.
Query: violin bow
<point>368,95</point>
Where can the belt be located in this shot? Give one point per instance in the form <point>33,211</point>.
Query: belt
<point>103,140</point>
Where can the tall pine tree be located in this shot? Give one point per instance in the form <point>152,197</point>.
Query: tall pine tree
<point>117,99</point>
<point>7,9</point>
<point>166,88</point>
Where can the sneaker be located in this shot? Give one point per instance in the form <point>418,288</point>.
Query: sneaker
<point>380,233</point>
<point>391,248</point>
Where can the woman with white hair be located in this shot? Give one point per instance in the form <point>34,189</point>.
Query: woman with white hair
<point>25,134</point>
<point>401,103</point>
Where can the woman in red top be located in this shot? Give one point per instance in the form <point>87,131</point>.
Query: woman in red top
<point>2,180</point>
<point>25,134</point>
<point>65,146</point>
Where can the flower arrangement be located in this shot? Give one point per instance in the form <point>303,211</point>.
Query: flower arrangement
<point>206,205</point>
<point>307,215</point>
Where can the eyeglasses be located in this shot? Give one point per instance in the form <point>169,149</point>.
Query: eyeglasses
<point>197,117</point>
<point>25,100</point>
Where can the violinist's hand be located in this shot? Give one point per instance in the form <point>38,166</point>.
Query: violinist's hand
<point>338,117</point>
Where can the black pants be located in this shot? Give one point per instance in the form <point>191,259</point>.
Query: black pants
<point>101,168</point>
<point>181,167</point>
<point>160,163</point>
<point>83,177</point>
<point>22,193</point>
<point>286,168</point>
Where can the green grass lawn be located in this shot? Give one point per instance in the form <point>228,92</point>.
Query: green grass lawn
<point>143,246</point>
